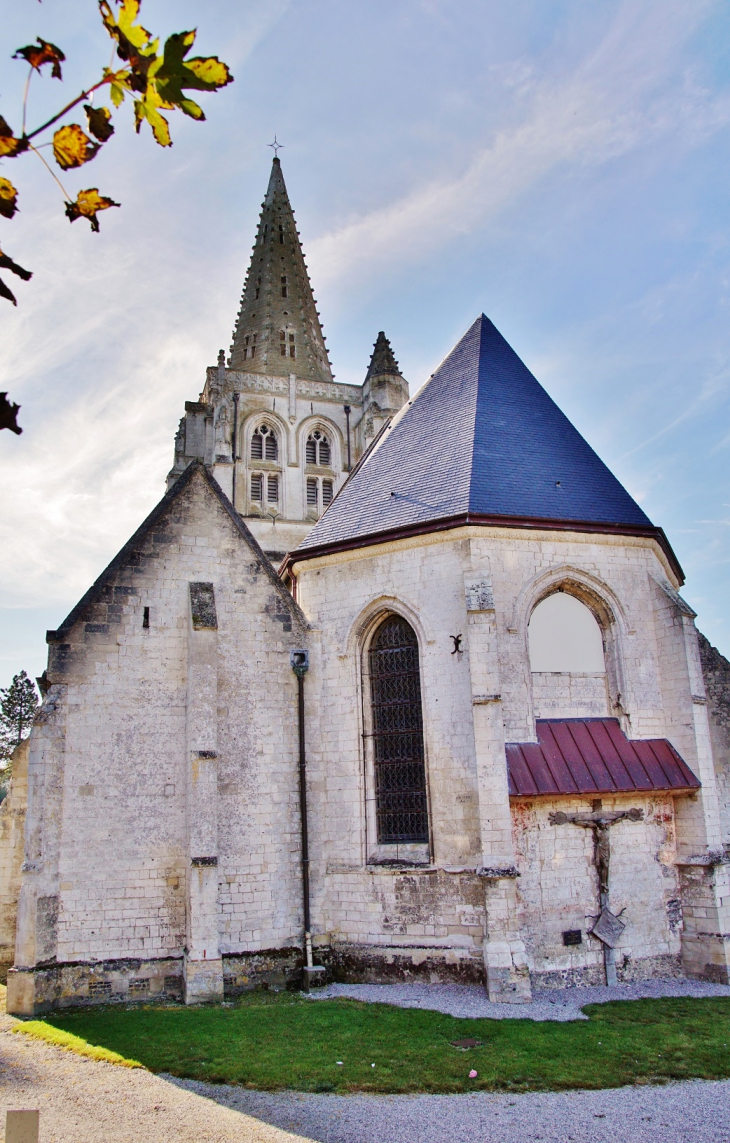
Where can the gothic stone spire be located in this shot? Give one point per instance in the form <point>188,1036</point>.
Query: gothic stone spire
<point>278,331</point>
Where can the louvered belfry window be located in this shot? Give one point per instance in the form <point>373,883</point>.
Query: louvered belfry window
<point>400,773</point>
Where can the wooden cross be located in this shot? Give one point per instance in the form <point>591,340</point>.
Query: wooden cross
<point>600,822</point>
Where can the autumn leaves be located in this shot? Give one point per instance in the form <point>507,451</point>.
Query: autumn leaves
<point>154,80</point>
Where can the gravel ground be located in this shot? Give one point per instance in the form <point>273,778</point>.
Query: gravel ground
<point>85,1101</point>
<point>470,1000</point>
<point>690,1112</point>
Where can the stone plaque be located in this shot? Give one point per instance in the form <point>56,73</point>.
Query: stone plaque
<point>608,928</point>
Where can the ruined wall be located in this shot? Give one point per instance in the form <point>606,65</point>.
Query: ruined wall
<point>716,673</point>
<point>12,825</point>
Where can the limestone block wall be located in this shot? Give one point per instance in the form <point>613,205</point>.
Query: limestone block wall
<point>716,672</point>
<point>110,816</point>
<point>564,695</point>
<point>558,887</point>
<point>12,827</point>
<point>426,579</point>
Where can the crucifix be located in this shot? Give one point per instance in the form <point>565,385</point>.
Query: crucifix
<point>608,927</point>
<point>277,146</point>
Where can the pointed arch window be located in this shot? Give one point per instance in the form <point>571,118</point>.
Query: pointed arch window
<point>264,445</point>
<point>397,731</point>
<point>318,449</point>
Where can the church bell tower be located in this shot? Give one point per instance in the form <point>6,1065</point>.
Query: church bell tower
<point>279,434</point>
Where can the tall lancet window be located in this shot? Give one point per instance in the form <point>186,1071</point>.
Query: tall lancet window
<point>397,725</point>
<point>264,445</point>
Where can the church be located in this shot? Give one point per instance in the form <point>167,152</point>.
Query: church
<point>386,687</point>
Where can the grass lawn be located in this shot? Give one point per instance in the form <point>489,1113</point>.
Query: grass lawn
<point>273,1041</point>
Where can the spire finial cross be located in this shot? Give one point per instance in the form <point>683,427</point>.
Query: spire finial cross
<point>277,146</point>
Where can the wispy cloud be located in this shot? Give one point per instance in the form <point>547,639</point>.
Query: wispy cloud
<point>615,100</point>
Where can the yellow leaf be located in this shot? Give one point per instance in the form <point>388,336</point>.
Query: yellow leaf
<point>72,147</point>
<point>88,202</point>
<point>211,73</point>
<point>9,145</point>
<point>8,198</point>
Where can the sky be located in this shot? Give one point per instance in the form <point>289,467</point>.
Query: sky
<point>561,165</point>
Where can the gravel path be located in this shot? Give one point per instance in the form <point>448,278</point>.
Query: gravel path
<point>470,1000</point>
<point>85,1101</point>
<point>692,1112</point>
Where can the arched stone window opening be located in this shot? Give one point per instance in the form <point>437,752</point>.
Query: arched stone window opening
<point>567,659</point>
<point>264,445</point>
<point>401,804</point>
<point>318,449</point>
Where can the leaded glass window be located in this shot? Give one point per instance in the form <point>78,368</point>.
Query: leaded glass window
<point>400,773</point>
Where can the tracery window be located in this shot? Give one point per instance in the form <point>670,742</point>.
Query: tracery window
<point>397,732</point>
<point>318,449</point>
<point>264,445</point>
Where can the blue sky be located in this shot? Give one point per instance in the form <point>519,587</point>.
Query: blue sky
<point>561,165</point>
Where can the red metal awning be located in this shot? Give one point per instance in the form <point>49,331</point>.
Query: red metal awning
<point>593,756</point>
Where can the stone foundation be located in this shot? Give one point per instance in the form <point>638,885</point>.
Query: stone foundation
<point>373,964</point>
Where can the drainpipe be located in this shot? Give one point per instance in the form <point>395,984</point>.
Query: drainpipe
<point>235,447</point>
<point>347,418</point>
<point>311,973</point>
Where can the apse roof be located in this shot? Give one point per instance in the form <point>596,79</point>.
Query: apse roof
<point>482,439</point>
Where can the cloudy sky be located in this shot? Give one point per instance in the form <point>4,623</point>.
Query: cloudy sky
<point>561,165</point>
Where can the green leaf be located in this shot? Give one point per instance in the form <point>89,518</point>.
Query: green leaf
<point>72,147</point>
<point>99,122</point>
<point>8,198</point>
<point>147,109</point>
<point>43,54</point>
<point>87,203</point>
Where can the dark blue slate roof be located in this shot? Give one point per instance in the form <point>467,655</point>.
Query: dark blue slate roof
<point>481,438</point>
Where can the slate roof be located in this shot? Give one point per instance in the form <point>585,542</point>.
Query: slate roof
<point>593,756</point>
<point>482,441</point>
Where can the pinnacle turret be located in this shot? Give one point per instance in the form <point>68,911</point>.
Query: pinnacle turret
<point>382,362</point>
<point>278,330</point>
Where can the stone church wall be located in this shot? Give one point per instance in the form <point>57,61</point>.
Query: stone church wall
<point>716,672</point>
<point>370,919</point>
<point>111,814</point>
<point>12,824</point>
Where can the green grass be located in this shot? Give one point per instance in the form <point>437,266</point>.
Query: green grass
<point>283,1041</point>
<point>40,1030</point>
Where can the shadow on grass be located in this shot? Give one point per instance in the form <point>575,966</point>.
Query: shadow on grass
<point>274,1042</point>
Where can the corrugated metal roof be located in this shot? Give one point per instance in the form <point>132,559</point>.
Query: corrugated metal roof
<point>482,437</point>
<point>593,756</point>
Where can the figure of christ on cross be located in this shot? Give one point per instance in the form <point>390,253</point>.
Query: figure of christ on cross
<point>607,927</point>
